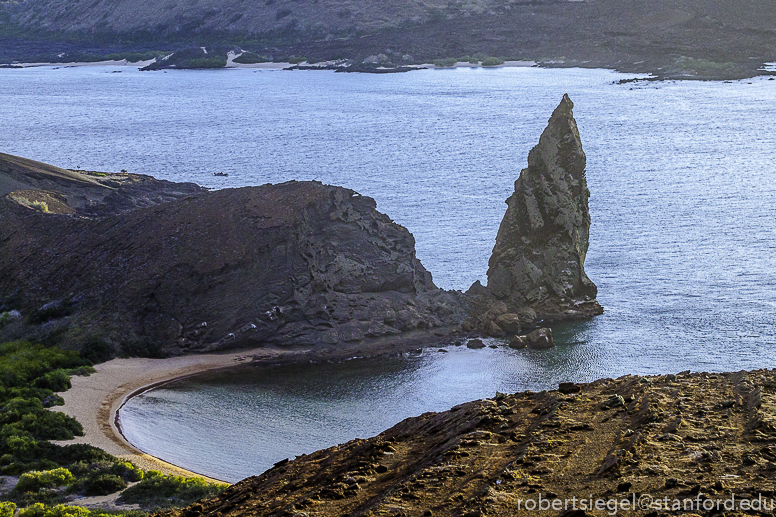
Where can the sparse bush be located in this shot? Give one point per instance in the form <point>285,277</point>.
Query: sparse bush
<point>39,205</point>
<point>492,61</point>
<point>7,509</point>
<point>60,510</point>
<point>9,316</point>
<point>103,484</point>
<point>447,62</point>
<point>159,491</point>
<point>36,480</point>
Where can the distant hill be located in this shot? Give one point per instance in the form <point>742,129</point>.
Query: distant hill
<point>707,38</point>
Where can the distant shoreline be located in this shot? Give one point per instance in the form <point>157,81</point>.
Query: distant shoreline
<point>267,66</point>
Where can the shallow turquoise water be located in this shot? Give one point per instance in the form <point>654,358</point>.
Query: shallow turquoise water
<point>681,247</point>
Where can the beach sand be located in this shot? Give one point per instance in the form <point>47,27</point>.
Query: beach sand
<point>94,400</point>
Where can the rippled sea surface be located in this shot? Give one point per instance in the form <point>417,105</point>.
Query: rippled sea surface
<point>682,243</point>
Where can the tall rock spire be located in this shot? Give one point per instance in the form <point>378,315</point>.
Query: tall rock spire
<point>539,257</point>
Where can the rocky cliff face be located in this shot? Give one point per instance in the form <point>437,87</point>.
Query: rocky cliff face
<point>296,265</point>
<point>698,437</point>
<point>538,262</point>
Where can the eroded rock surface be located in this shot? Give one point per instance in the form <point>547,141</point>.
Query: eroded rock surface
<point>537,265</point>
<point>700,437</point>
<point>300,265</point>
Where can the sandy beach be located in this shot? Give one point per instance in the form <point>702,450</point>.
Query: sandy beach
<point>94,400</point>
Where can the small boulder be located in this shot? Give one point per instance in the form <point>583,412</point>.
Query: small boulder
<point>568,387</point>
<point>469,324</point>
<point>614,401</point>
<point>527,315</point>
<point>518,342</point>
<point>509,322</point>
<point>541,339</point>
<point>493,330</point>
<point>475,344</point>
<point>496,310</point>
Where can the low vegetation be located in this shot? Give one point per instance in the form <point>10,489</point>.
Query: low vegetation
<point>476,59</point>
<point>160,491</point>
<point>51,474</point>
<point>191,58</point>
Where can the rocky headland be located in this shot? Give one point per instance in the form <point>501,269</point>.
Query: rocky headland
<point>644,444</point>
<point>124,263</point>
<point>298,264</point>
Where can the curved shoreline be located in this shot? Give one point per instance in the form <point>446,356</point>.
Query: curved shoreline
<point>96,400</point>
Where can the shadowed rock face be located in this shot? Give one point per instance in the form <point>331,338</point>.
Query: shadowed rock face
<point>539,256</point>
<point>299,264</point>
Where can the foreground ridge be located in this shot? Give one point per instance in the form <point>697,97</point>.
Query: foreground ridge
<point>699,437</point>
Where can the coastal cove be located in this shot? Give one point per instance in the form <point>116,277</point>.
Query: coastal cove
<point>681,243</point>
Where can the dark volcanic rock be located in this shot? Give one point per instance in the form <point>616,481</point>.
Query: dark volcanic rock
<point>539,256</point>
<point>541,339</point>
<point>299,264</point>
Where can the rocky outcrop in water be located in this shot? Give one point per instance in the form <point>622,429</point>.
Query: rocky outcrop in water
<point>298,265</point>
<point>697,438</point>
<point>537,267</point>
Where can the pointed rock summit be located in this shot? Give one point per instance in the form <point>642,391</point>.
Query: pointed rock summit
<point>538,261</point>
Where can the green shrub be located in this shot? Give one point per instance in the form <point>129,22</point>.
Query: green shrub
<point>492,61</point>
<point>36,480</point>
<point>103,484</point>
<point>127,471</point>
<point>77,452</point>
<point>60,510</point>
<point>123,469</point>
<point>22,362</point>
<point>56,380</point>
<point>37,422</point>
<point>159,491</point>
<point>7,509</point>
<point>447,62</point>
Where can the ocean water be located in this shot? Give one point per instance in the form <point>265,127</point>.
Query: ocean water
<point>682,177</point>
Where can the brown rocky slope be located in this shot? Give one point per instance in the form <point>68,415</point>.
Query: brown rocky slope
<point>689,439</point>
